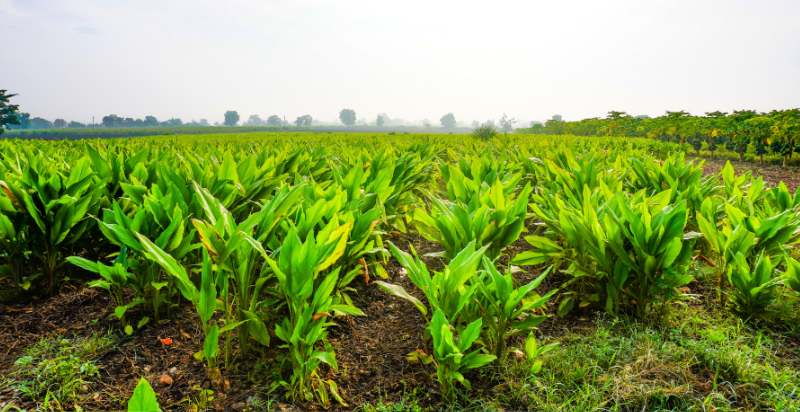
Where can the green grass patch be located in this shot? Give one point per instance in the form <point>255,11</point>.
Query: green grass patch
<point>54,373</point>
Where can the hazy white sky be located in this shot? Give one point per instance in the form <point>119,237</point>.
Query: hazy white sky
<point>410,59</point>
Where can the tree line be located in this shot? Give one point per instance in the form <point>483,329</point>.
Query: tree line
<point>741,131</point>
<point>14,119</point>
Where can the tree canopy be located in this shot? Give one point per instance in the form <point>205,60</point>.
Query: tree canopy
<point>448,121</point>
<point>8,111</point>
<point>347,117</point>
<point>231,118</point>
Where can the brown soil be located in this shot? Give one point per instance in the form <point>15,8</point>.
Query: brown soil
<point>371,350</point>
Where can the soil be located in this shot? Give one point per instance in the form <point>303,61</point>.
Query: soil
<point>371,350</point>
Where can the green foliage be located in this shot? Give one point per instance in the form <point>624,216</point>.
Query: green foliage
<point>493,218</point>
<point>509,311</point>
<point>143,398</point>
<point>629,251</point>
<point>754,288</point>
<point>486,131</point>
<point>270,238</point>
<point>793,274</point>
<point>53,373</point>
<point>451,290</point>
<point>8,111</point>
<point>50,205</point>
<point>306,287</point>
<point>455,324</point>
<point>452,354</point>
<point>742,132</point>
<point>751,235</point>
<point>462,299</point>
<point>158,212</point>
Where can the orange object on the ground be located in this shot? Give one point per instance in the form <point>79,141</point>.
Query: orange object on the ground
<point>166,341</point>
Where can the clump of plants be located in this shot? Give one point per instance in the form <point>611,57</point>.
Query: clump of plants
<point>474,313</point>
<point>54,373</point>
<point>485,131</point>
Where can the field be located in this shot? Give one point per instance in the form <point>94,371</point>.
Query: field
<point>376,272</point>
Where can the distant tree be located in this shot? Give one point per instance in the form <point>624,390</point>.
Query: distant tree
<point>380,121</point>
<point>786,134</point>
<point>231,118</point>
<point>24,120</point>
<point>507,123</point>
<point>347,117</point>
<point>59,123</point>
<point>426,124</point>
<point>448,121</point>
<point>111,120</point>
<point>8,112</point>
<point>254,120</point>
<point>274,121</point>
<point>716,114</point>
<point>555,125</point>
<point>616,123</point>
<point>203,122</point>
<point>759,129</point>
<point>303,121</point>
<point>476,124</point>
<point>173,122</point>
<point>150,121</point>
<point>75,125</point>
<point>41,123</point>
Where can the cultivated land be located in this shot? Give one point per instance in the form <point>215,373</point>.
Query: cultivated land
<point>302,271</point>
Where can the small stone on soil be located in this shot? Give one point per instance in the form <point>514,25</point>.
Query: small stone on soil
<point>165,380</point>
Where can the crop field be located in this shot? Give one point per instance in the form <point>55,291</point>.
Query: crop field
<point>376,272</point>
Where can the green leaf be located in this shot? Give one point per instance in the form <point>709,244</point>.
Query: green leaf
<point>257,328</point>
<point>211,343</point>
<point>143,399</point>
<point>400,292</point>
<point>171,266</point>
<point>347,310</point>
<point>328,358</point>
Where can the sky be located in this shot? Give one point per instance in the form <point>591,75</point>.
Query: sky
<point>410,59</point>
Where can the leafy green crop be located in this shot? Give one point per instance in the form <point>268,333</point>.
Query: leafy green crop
<point>307,288</point>
<point>143,398</point>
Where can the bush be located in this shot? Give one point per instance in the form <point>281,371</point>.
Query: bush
<point>485,131</point>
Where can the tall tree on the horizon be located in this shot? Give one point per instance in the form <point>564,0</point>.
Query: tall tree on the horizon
<point>303,121</point>
<point>347,117</point>
<point>231,118</point>
<point>8,112</point>
<point>448,121</point>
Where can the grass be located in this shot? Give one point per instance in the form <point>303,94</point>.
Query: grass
<point>691,360</point>
<point>54,373</point>
<point>708,361</point>
<point>408,403</point>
